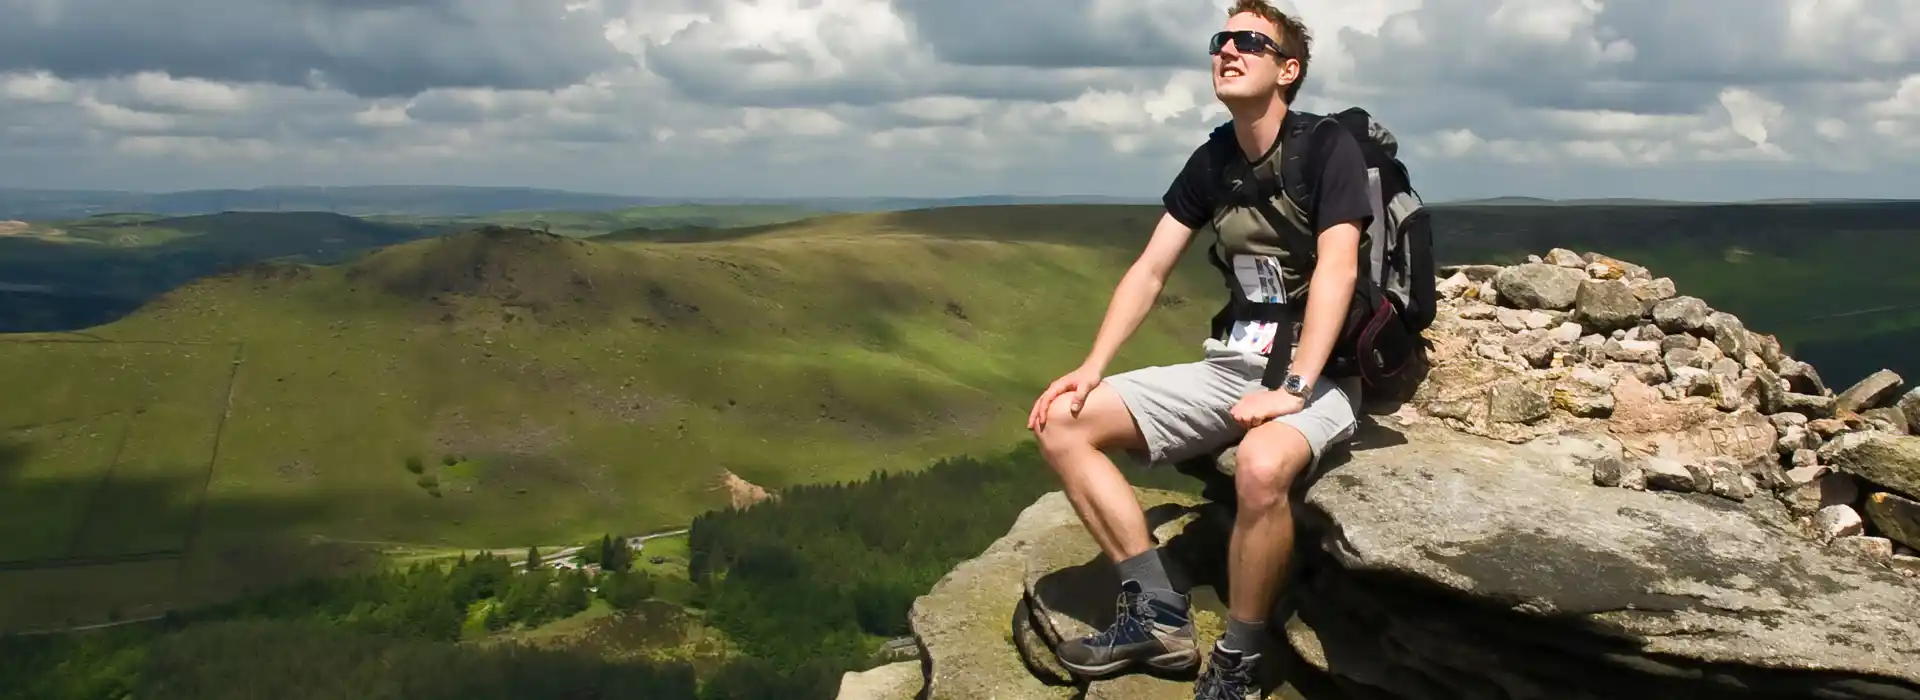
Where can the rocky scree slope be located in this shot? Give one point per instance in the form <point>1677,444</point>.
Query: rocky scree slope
<point>1597,488</point>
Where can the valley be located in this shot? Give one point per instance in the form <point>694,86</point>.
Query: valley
<point>267,396</point>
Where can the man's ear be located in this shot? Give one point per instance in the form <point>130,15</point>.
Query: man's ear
<point>1289,72</point>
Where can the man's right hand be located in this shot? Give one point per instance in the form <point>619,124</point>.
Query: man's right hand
<point>1076,384</point>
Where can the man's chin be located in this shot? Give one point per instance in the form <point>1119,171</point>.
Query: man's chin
<point>1235,94</point>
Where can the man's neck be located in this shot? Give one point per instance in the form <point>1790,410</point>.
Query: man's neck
<point>1256,126</point>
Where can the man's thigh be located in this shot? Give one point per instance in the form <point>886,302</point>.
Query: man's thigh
<point>1182,410</point>
<point>1329,419</point>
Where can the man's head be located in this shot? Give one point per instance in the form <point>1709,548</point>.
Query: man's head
<point>1271,58</point>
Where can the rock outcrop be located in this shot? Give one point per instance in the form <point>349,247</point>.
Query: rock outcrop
<point>1596,488</point>
<point>1455,566</point>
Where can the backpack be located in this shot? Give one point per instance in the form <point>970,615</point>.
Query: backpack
<point>1393,297</point>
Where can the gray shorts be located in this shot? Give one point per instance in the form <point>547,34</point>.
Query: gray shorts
<point>1185,410</point>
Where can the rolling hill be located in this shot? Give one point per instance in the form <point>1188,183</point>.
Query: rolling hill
<point>503,387</point>
<point>548,388</point>
<point>74,273</point>
<point>594,223</point>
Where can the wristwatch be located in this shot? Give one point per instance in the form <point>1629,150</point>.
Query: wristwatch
<point>1296,385</point>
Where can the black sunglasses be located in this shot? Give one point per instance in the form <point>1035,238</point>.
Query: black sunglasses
<point>1245,41</point>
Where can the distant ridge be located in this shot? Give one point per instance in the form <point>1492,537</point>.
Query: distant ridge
<point>455,200</point>
<point>436,200</point>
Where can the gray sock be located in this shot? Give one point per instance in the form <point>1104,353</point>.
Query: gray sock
<point>1147,569</point>
<point>1247,638</point>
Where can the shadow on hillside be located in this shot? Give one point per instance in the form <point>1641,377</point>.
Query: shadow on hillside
<point>39,312</point>
<point>13,456</point>
<point>134,545</point>
<point>83,286</point>
<point>1098,224</point>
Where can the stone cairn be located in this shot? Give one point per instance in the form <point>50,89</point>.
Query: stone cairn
<point>1570,338</point>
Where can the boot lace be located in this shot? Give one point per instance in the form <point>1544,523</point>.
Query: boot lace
<point>1222,683</point>
<point>1130,613</point>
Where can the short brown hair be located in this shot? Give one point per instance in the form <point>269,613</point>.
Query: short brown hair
<point>1294,40</point>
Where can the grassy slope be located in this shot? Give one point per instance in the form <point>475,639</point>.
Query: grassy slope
<point>588,386</point>
<point>604,385</point>
<point>593,223</point>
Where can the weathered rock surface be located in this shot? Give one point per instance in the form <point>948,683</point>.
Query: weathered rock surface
<point>962,623</point>
<point>1070,587</point>
<point>1896,517</point>
<point>1461,567</point>
<point>1879,389</point>
<point>1538,286</point>
<point>1603,306</point>
<point>895,681</point>
<point>1892,461</point>
<point>1579,496</point>
<point>1681,315</point>
<point>1909,405</point>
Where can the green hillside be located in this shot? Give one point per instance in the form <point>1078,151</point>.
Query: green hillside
<point>550,388</point>
<point>62,275</point>
<point>501,387</point>
<point>594,223</point>
<point>74,273</point>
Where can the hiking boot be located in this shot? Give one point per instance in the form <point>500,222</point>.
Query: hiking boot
<point>1229,676</point>
<point>1147,628</point>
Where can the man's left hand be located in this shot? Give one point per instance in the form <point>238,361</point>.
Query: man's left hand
<point>1263,406</point>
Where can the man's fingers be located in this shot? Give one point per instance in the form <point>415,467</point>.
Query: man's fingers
<point>1040,407</point>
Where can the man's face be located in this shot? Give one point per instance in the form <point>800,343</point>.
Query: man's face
<point>1242,75</point>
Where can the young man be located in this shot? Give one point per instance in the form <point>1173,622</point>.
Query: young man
<point>1172,413</point>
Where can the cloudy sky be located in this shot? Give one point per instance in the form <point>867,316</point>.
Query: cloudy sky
<point>1686,99</point>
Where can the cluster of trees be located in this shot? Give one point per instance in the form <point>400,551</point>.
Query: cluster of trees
<point>811,583</point>
<point>312,659</point>
<point>436,603</point>
<point>416,613</point>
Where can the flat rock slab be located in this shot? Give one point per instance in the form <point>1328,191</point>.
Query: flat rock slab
<point>962,622</point>
<point>895,681</point>
<point>1487,569</point>
<point>1690,431</point>
<point>1071,589</point>
<point>1892,461</point>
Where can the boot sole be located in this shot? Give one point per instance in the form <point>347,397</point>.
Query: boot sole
<point>1171,661</point>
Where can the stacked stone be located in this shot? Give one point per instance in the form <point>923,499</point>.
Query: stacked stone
<point>1572,335</point>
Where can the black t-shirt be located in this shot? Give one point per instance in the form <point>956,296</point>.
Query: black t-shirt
<point>1340,194</point>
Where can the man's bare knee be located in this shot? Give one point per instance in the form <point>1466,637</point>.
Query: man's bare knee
<point>1103,423</point>
<point>1266,464</point>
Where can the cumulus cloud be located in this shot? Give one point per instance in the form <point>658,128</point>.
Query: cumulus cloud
<point>369,48</point>
<point>1707,98</point>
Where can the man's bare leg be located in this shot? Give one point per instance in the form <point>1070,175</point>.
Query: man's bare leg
<point>1270,458</point>
<point>1154,626</point>
<point>1100,493</point>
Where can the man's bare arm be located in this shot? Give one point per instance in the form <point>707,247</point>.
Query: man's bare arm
<point>1328,293</point>
<point>1134,296</point>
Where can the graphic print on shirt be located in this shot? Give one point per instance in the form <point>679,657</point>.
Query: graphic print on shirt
<point>1259,277</point>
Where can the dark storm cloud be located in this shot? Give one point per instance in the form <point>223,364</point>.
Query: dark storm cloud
<point>367,47</point>
<point>699,70</point>
<point>1063,33</point>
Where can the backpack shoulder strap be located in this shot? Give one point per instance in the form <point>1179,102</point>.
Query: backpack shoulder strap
<point>1303,138</point>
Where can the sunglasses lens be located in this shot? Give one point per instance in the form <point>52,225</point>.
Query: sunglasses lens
<point>1244,41</point>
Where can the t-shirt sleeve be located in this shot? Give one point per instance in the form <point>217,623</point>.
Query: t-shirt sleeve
<point>1342,190</point>
<point>1189,199</point>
